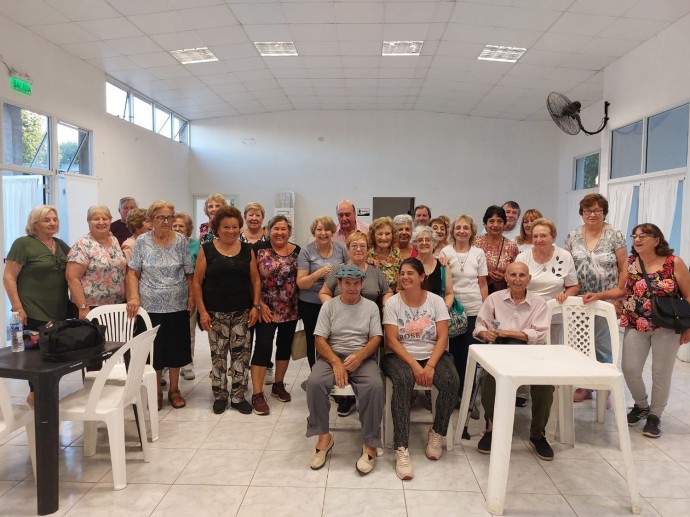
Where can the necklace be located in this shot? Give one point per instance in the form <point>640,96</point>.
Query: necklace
<point>226,252</point>
<point>50,246</point>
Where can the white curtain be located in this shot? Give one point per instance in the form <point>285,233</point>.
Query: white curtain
<point>19,195</point>
<point>657,203</point>
<point>620,201</point>
<point>81,192</point>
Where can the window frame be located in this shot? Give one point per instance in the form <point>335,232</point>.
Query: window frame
<point>580,157</point>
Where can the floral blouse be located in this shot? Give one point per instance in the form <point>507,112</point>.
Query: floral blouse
<point>205,234</point>
<point>278,281</point>
<point>597,270</point>
<point>104,279</point>
<point>389,268</point>
<point>637,304</point>
<point>497,259</point>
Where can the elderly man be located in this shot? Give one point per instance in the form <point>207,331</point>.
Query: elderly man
<point>512,228</point>
<point>348,333</point>
<point>347,221</point>
<point>422,215</point>
<point>515,315</point>
<point>119,227</point>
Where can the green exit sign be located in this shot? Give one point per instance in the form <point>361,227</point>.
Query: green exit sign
<point>20,85</point>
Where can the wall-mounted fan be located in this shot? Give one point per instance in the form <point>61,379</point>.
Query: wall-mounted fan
<point>566,114</point>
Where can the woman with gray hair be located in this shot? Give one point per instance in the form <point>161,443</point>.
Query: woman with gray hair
<point>138,223</point>
<point>403,225</point>
<point>96,266</point>
<point>253,230</point>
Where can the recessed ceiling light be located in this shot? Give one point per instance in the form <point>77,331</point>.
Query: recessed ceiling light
<point>401,48</point>
<point>503,54</point>
<point>193,55</point>
<point>276,48</point>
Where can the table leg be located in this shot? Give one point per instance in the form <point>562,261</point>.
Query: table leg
<point>501,439</point>
<point>466,396</point>
<point>47,424</point>
<point>567,416</point>
<point>619,410</point>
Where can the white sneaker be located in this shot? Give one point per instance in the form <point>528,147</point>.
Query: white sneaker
<point>269,378</point>
<point>403,466</point>
<point>188,374</point>
<point>434,447</point>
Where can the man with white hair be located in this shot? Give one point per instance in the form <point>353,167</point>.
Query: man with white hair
<point>347,221</point>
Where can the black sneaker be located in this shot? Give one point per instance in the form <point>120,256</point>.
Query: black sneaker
<point>219,406</point>
<point>520,402</point>
<point>242,406</point>
<point>636,414</point>
<point>652,429</point>
<point>542,448</point>
<point>484,445</point>
<point>346,405</point>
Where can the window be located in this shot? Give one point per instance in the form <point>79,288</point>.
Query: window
<point>74,149</point>
<point>180,130</point>
<point>626,150</point>
<point>26,138</point>
<point>116,101</point>
<point>587,172</point>
<point>163,122</point>
<point>667,140</point>
<point>142,112</point>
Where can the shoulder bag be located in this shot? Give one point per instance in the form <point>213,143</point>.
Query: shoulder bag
<point>458,319</point>
<point>667,312</point>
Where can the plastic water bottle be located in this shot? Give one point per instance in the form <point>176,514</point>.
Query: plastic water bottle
<point>17,332</point>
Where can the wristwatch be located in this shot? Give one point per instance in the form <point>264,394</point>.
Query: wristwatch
<point>82,306</point>
<point>257,306</point>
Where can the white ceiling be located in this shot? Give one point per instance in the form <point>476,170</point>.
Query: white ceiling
<point>340,65</point>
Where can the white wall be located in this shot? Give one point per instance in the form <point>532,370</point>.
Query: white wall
<point>452,163</point>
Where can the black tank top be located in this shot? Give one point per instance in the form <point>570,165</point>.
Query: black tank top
<point>226,286</point>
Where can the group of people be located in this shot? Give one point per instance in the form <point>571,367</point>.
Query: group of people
<point>355,286</point>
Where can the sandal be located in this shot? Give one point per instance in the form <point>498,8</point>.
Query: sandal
<point>160,401</point>
<point>176,399</point>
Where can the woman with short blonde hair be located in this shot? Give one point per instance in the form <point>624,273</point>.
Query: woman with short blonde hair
<point>211,205</point>
<point>384,253</point>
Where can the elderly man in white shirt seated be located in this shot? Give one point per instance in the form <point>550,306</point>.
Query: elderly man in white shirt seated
<point>515,315</point>
<point>348,333</point>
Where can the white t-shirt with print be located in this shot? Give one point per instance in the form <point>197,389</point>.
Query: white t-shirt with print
<point>551,278</point>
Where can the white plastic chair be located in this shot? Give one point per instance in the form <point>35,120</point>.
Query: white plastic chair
<point>15,416</point>
<point>104,401</point>
<point>120,327</point>
<point>578,333</point>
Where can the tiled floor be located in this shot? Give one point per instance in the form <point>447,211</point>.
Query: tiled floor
<point>250,465</point>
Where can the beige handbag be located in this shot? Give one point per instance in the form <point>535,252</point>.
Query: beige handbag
<point>299,345</point>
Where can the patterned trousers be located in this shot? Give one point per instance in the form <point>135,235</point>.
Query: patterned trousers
<point>229,333</point>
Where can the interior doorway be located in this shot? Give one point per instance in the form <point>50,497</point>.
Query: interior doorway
<point>392,206</point>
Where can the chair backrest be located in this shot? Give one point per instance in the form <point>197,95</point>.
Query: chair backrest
<point>119,326</point>
<point>578,324</point>
<point>140,346</point>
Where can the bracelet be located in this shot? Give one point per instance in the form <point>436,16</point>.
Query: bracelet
<point>431,365</point>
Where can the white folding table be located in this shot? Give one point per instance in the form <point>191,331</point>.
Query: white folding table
<point>516,365</point>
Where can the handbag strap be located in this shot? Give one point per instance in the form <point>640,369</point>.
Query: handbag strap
<point>443,281</point>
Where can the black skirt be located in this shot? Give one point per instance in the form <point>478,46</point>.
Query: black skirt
<point>172,347</point>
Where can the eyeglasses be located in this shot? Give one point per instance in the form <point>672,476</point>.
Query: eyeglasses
<point>358,246</point>
<point>596,211</point>
<point>164,219</point>
<point>639,236</point>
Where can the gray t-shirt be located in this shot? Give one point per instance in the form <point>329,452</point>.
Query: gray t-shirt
<point>347,328</point>
<point>374,287</point>
<point>310,260</point>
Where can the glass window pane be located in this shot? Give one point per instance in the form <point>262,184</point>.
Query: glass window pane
<point>116,101</point>
<point>25,136</point>
<point>667,140</point>
<point>163,122</point>
<point>142,112</point>
<point>626,150</point>
<point>180,130</point>
<point>674,238</point>
<point>587,172</point>
<point>73,149</point>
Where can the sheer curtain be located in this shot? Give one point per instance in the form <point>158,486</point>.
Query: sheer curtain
<point>620,201</point>
<point>19,195</point>
<point>657,201</point>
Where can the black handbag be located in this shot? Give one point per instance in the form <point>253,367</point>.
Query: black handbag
<point>667,312</point>
<point>71,340</point>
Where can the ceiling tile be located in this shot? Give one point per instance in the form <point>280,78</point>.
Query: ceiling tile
<point>309,12</point>
<point>245,64</point>
<point>207,17</point>
<point>405,31</point>
<point>31,12</point>
<point>561,42</point>
<point>360,48</point>
<point>571,75</point>
<point>316,32</point>
<point>260,74</point>
<point>607,8</point>
<point>359,12</point>
<point>409,12</point>
<point>136,45</point>
<point>273,32</point>
<point>583,24</point>
<point>60,33</point>
<point>79,10</point>
<point>468,33</point>
<point>360,32</point>
<point>318,48</point>
<point>266,84</point>
<point>587,61</point>
<point>235,51</point>
<point>322,62</point>
<point>361,61</point>
<point>216,79</point>
<point>130,7</point>
<point>179,40</point>
<point>170,72</point>
<point>113,63</point>
<point>224,35</point>
<point>518,81</point>
<point>90,49</point>
<point>527,70</point>
<point>258,13</point>
<point>160,23</point>
<point>637,30</point>
<point>665,10</point>
<point>203,69</point>
<point>154,59</point>
<point>326,73</point>
<point>543,57</point>
<point>608,47</point>
<point>111,28</point>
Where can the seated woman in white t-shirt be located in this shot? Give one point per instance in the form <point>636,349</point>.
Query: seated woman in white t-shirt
<point>415,324</point>
<point>552,268</point>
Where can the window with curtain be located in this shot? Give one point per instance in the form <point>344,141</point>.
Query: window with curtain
<point>667,140</point>
<point>626,150</point>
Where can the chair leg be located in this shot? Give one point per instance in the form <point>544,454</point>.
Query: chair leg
<point>602,395</point>
<point>31,436</point>
<point>90,437</point>
<point>388,417</point>
<point>152,399</point>
<point>116,438</point>
<point>142,429</point>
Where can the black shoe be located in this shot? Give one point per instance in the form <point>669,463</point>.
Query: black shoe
<point>520,402</point>
<point>636,414</point>
<point>346,406</point>
<point>219,406</point>
<point>426,401</point>
<point>652,429</point>
<point>484,445</point>
<point>242,406</point>
<point>542,448</point>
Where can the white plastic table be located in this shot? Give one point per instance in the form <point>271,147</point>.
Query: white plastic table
<point>516,365</point>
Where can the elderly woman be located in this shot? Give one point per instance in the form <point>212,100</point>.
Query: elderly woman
<point>424,239</point>
<point>384,254</point>
<point>159,280</point>
<point>403,226</point>
<point>138,224</point>
<point>499,250</point>
<point>96,266</point>
<point>598,250</point>
<point>415,324</point>
<point>253,230</point>
<point>34,276</point>
<point>440,225</point>
<point>212,203</point>
<point>468,266</point>
<point>524,240</point>
<point>315,262</point>
<point>227,290</point>
<point>277,266</point>
<point>652,271</point>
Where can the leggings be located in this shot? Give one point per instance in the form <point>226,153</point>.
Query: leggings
<point>309,312</point>
<point>229,334</point>
<point>263,346</point>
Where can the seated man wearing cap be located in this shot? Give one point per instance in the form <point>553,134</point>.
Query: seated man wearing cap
<point>348,333</point>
